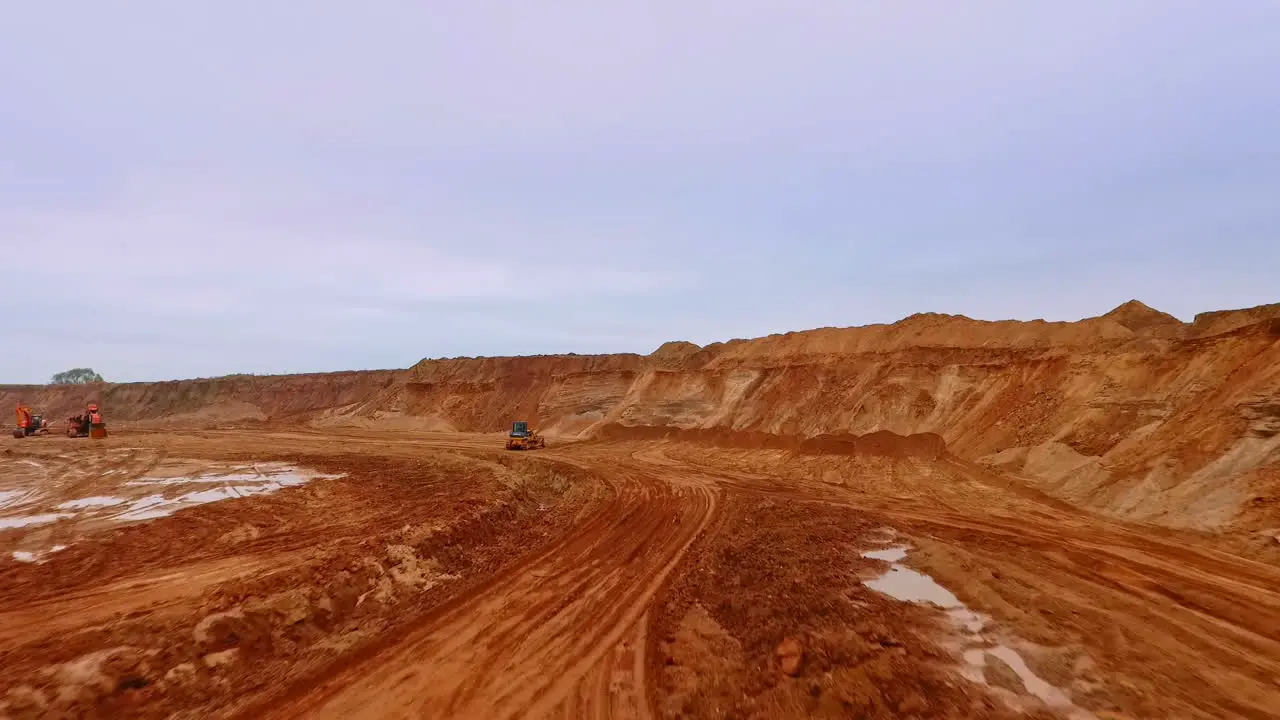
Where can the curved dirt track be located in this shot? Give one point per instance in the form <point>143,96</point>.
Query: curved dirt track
<point>560,634</point>
<point>441,577</point>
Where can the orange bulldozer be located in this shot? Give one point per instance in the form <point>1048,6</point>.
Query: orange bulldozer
<point>29,423</point>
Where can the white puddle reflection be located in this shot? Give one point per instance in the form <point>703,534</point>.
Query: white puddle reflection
<point>971,621</point>
<point>166,496</point>
<point>28,556</point>
<point>147,508</point>
<point>25,520</point>
<point>281,476</point>
<point>156,506</point>
<point>1052,696</point>
<point>908,585</point>
<point>893,554</point>
<point>12,497</point>
<point>91,502</point>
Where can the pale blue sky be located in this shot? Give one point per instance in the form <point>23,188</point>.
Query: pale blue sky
<point>201,188</point>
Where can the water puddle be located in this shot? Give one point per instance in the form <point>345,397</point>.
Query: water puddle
<point>280,475</point>
<point>12,497</point>
<point>157,506</point>
<point>147,508</point>
<point>893,554</point>
<point>1052,696</point>
<point>92,502</point>
<point>908,585</point>
<point>37,556</point>
<point>27,520</point>
<point>164,496</point>
<point>260,480</point>
<point>972,622</point>
<point>234,491</point>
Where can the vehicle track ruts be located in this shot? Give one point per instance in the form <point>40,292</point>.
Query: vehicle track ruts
<point>562,634</point>
<point>557,622</point>
<point>1208,616</point>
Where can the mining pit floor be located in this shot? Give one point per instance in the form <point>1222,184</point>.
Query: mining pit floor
<point>298,573</point>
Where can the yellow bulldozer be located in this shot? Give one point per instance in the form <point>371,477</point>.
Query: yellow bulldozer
<point>522,438</point>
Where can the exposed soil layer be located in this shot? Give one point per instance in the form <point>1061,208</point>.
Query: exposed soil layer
<point>442,577</point>
<point>884,443</point>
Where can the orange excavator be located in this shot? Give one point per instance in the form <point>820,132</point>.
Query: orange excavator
<point>29,423</point>
<point>87,424</point>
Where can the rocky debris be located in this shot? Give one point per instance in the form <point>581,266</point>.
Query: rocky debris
<point>1263,414</point>
<point>222,658</point>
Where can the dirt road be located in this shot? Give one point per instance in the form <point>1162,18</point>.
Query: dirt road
<point>437,576</point>
<point>560,633</point>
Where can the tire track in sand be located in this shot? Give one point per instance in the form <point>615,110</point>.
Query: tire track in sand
<point>562,635</point>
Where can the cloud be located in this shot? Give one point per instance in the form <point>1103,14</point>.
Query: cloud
<point>202,188</point>
<point>269,278</point>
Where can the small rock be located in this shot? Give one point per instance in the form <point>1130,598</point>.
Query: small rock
<point>218,659</point>
<point>790,656</point>
<point>217,628</point>
<point>181,673</point>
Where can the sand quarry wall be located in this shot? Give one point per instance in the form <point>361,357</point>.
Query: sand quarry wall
<point>1133,412</point>
<point>208,402</point>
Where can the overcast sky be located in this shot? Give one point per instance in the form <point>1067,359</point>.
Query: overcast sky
<point>201,188</point>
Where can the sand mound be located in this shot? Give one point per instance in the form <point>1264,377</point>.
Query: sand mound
<point>882,443</point>
<point>1140,317</point>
